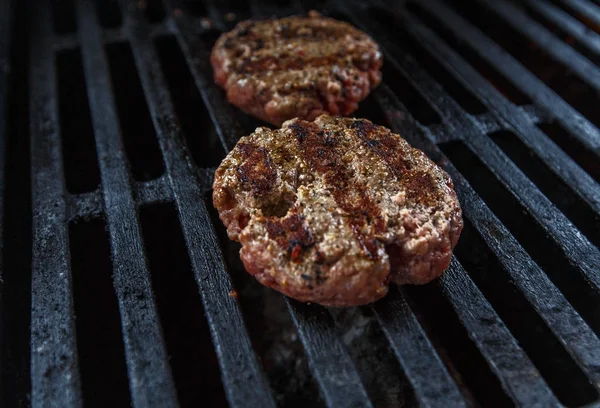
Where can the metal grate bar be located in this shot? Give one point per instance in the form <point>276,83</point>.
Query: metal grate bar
<point>54,365</point>
<point>421,364</point>
<point>86,205</point>
<point>242,377</point>
<point>328,358</point>
<point>567,23</point>
<point>519,378</point>
<point>150,377</point>
<point>551,44</point>
<point>556,159</point>
<point>586,8</point>
<point>533,87</point>
<point>153,191</point>
<point>566,324</point>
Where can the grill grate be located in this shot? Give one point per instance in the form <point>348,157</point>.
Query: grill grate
<point>528,315</point>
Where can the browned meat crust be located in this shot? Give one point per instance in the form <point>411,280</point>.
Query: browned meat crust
<point>331,211</point>
<point>296,67</point>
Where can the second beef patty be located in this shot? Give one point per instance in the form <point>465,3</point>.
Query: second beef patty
<point>296,67</point>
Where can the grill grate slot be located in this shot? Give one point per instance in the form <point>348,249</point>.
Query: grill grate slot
<point>78,145</point>
<point>109,15</point>
<point>152,128</point>
<point>139,137</point>
<point>15,208</point>
<point>191,356</point>
<point>200,134</point>
<point>99,342</point>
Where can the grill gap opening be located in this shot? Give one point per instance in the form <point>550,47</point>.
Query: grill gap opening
<point>199,130</point>
<point>545,252</point>
<point>15,290</point>
<point>550,184</point>
<point>63,16</point>
<point>192,356</point>
<point>406,42</point>
<point>562,374</point>
<point>378,367</point>
<point>137,130</point>
<point>98,324</point>
<point>553,73</point>
<point>371,109</point>
<point>210,37</point>
<point>195,7</point>
<point>452,343</point>
<point>271,330</point>
<point>406,92</point>
<point>109,13</point>
<point>589,161</point>
<point>587,21</point>
<point>153,9</point>
<point>78,143</point>
<point>493,76</point>
<point>557,30</point>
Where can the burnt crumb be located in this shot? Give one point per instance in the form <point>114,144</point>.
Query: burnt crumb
<point>373,142</point>
<point>306,277</point>
<point>299,131</point>
<point>260,43</point>
<point>319,275</point>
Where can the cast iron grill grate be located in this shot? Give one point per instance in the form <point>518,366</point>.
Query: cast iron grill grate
<point>124,293</point>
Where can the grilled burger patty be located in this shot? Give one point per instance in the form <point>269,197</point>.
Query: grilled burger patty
<point>296,67</point>
<point>330,211</point>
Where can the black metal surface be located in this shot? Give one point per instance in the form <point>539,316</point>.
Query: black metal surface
<point>530,324</point>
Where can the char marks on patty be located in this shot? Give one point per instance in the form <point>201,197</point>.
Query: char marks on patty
<point>296,67</point>
<point>357,207</point>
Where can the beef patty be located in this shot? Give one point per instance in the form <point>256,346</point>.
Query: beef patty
<point>330,211</point>
<point>296,67</point>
